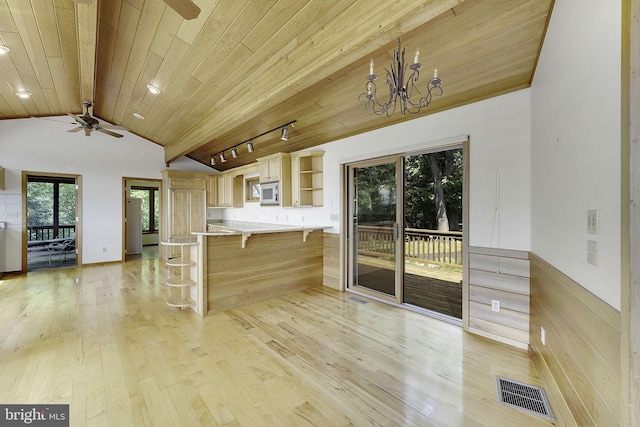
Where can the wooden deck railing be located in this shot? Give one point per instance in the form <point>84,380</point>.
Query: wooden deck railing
<point>49,232</point>
<point>420,245</point>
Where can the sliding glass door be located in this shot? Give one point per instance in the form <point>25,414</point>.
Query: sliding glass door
<point>405,232</point>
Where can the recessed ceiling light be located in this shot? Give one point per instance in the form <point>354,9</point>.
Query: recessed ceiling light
<point>138,116</point>
<point>4,49</point>
<point>23,94</point>
<point>153,89</point>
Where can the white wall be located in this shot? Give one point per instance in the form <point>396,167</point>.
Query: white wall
<point>499,131</point>
<point>44,146</point>
<point>576,100</point>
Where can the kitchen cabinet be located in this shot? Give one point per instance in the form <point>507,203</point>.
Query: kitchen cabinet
<point>307,178</point>
<point>277,167</point>
<point>184,206</point>
<point>225,191</point>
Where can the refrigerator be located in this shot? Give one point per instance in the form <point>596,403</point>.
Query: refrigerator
<point>134,226</point>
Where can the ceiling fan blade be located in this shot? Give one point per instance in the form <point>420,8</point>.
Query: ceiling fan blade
<point>108,132</point>
<point>107,126</point>
<point>185,8</point>
<point>78,129</point>
<point>77,118</point>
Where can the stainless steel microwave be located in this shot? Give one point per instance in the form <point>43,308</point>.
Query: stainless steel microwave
<point>270,193</point>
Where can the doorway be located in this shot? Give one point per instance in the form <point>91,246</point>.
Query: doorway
<point>405,234</point>
<point>52,225</point>
<point>141,218</point>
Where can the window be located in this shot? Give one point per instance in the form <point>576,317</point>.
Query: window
<point>252,189</point>
<point>150,211</point>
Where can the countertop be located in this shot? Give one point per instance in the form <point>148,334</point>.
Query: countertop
<point>230,228</point>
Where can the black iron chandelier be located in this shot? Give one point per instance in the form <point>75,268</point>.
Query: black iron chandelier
<point>400,90</point>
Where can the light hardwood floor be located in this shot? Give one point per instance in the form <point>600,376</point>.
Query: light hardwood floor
<point>101,339</point>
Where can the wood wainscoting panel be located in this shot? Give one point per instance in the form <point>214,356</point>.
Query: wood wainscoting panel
<point>331,266</point>
<point>271,265</point>
<point>582,344</point>
<point>501,275</point>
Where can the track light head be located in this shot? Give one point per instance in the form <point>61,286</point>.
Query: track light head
<point>284,133</point>
<point>234,152</point>
<point>212,160</point>
<point>250,146</point>
<point>223,159</point>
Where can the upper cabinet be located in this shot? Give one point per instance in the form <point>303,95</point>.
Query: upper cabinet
<point>277,167</point>
<point>307,178</point>
<point>225,191</point>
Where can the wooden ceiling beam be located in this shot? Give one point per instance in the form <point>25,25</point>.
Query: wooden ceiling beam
<point>87,25</point>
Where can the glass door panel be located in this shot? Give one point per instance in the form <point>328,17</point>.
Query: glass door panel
<point>374,228</point>
<point>432,277</point>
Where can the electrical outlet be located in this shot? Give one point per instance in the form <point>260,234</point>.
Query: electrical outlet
<point>543,336</point>
<point>592,252</point>
<point>495,305</point>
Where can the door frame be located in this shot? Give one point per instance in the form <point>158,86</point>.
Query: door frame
<point>444,145</point>
<point>125,194</point>
<point>78,182</point>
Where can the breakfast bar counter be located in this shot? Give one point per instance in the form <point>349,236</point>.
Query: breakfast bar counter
<point>244,262</point>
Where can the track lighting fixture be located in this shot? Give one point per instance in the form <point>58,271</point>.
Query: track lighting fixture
<point>284,135</point>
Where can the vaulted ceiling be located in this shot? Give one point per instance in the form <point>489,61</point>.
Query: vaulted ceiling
<point>243,67</point>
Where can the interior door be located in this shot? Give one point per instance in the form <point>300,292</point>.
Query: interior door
<point>375,228</point>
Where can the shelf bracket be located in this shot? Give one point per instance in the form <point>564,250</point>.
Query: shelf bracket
<point>245,237</point>
<point>305,233</point>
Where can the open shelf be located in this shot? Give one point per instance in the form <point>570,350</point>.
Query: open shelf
<point>181,271</point>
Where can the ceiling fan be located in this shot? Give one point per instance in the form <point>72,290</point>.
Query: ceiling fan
<point>89,123</point>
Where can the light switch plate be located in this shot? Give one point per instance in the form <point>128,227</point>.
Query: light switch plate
<point>592,221</point>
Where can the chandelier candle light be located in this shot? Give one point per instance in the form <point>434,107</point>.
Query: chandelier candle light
<point>400,90</point>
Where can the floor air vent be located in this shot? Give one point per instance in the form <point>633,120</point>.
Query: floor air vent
<point>523,396</point>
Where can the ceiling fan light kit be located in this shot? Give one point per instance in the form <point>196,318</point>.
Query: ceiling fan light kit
<point>88,123</point>
<point>400,90</point>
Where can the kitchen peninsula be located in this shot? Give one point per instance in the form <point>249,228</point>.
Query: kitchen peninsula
<point>246,262</point>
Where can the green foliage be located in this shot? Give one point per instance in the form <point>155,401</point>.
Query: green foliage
<point>376,191</point>
<point>376,194</point>
<point>420,203</point>
<point>40,203</point>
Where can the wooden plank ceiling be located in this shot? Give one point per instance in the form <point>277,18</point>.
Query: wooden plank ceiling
<point>243,67</point>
